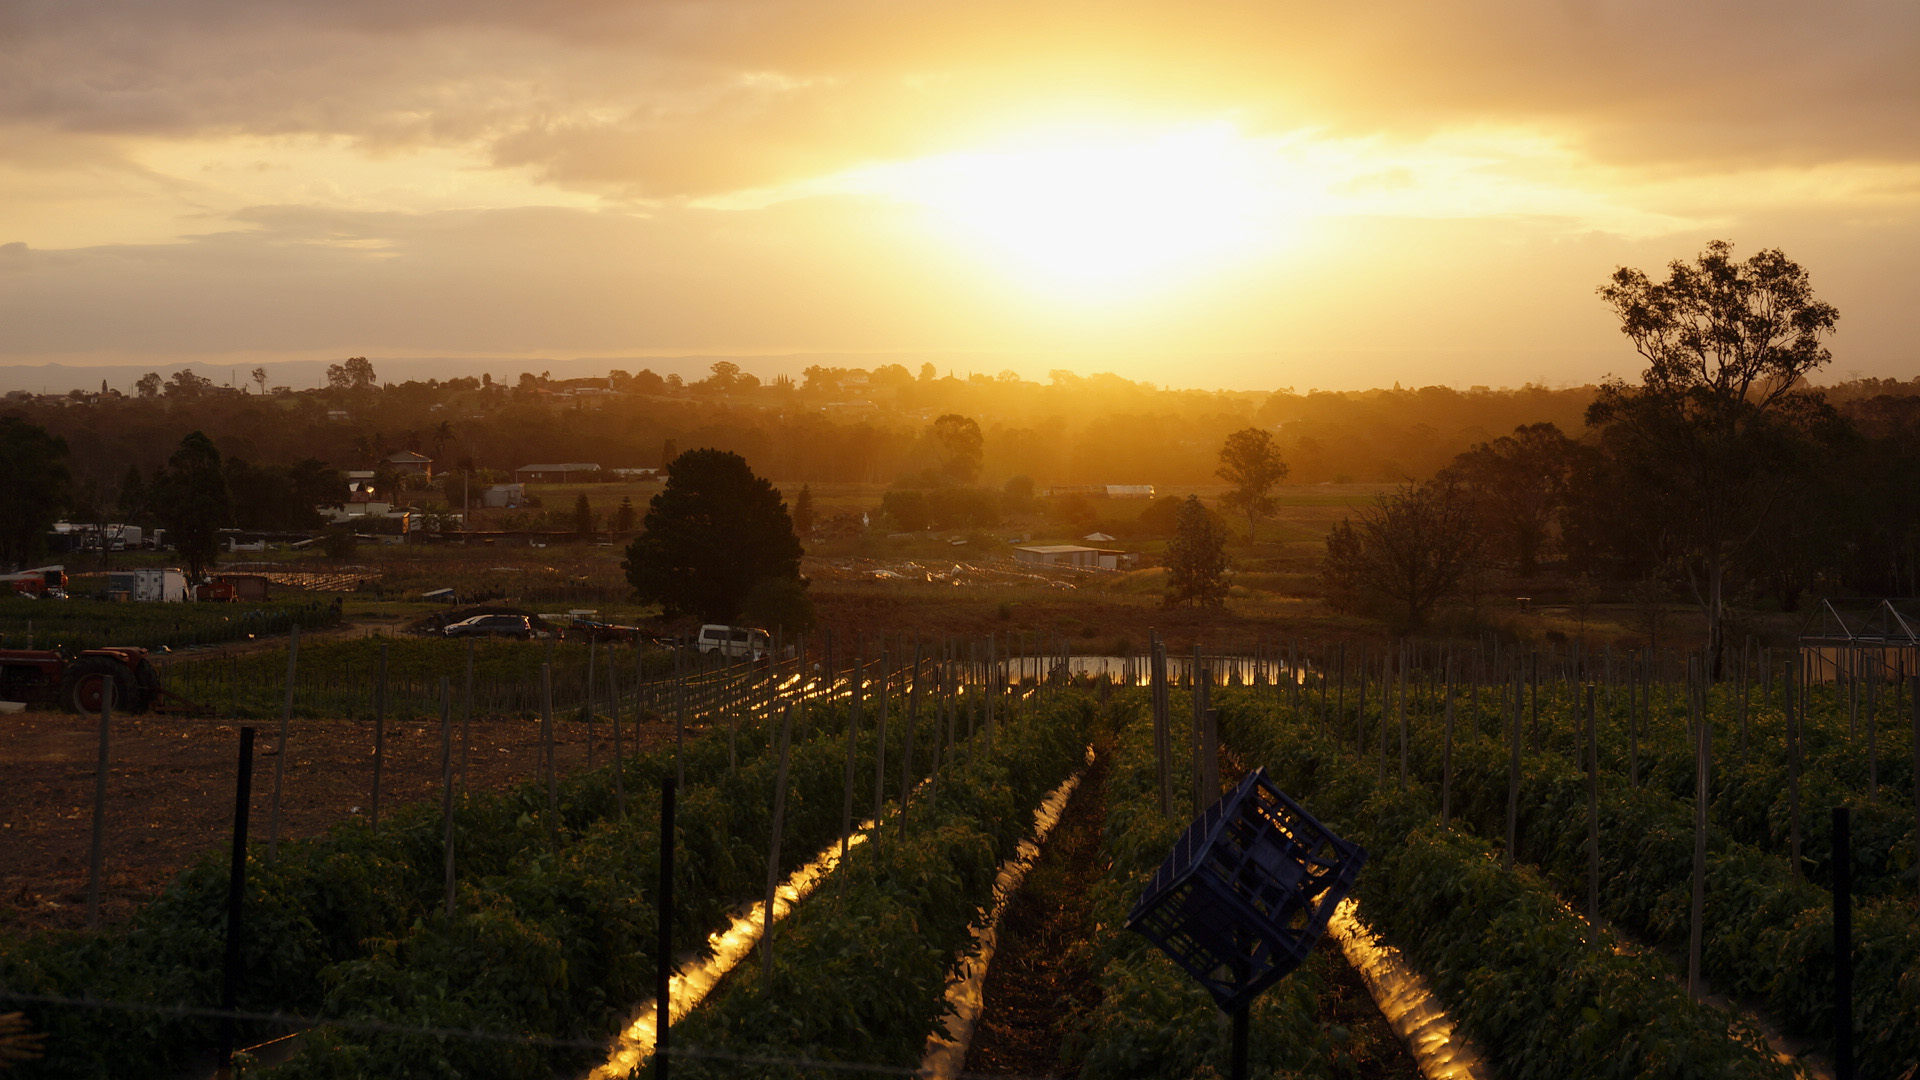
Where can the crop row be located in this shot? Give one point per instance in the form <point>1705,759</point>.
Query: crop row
<point>1766,934</point>
<point>861,968</point>
<point>1153,1020</point>
<point>74,625</point>
<point>547,939</point>
<point>1652,743</point>
<point>1522,973</point>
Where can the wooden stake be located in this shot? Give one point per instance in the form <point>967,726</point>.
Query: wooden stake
<point>1593,820</point>
<point>1513,776</point>
<point>546,748</point>
<point>96,852</point>
<point>853,740</point>
<point>379,733</point>
<point>446,782</point>
<point>773,855</point>
<point>880,736</point>
<point>280,747</point>
<point>1703,756</point>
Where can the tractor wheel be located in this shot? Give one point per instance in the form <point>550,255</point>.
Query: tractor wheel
<point>85,682</point>
<point>147,679</point>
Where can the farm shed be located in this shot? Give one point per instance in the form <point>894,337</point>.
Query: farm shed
<point>1075,555</point>
<point>556,474</point>
<point>499,496</point>
<point>246,587</point>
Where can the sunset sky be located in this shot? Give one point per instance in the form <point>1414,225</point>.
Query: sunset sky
<point>1205,194</point>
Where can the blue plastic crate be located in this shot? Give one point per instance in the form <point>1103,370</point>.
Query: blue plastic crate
<point>1246,891</point>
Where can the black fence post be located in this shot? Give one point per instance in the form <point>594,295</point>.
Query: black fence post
<point>236,891</point>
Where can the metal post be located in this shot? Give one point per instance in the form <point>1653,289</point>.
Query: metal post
<point>1913,697</point>
<point>1237,1066</point>
<point>236,892</point>
<point>96,854</point>
<point>663,977</point>
<point>1842,945</point>
<point>280,747</point>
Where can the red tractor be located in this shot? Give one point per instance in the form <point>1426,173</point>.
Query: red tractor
<point>79,685</point>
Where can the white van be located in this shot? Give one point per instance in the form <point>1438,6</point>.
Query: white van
<point>735,641</point>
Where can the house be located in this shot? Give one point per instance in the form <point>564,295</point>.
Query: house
<point>408,462</point>
<point>1074,555</point>
<point>367,512</point>
<point>1129,491</point>
<point>503,496</point>
<point>556,474</point>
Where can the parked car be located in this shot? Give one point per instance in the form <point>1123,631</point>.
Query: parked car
<point>512,626</point>
<point>579,629</point>
<point>736,641</point>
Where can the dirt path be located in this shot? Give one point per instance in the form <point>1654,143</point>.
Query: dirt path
<point>1039,980</point>
<point>170,794</point>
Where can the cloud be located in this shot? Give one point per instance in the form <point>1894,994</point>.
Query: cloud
<point>693,98</point>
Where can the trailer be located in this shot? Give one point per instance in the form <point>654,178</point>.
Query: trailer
<point>40,583</point>
<point>151,586</point>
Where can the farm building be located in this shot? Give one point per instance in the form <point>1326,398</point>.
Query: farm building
<point>246,587</point>
<point>1085,558</point>
<point>1102,491</point>
<point>409,463</point>
<point>556,474</point>
<point>501,496</point>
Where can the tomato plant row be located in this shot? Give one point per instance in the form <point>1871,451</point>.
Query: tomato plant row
<point>861,967</point>
<point>546,939</point>
<point>1767,935</point>
<point>1152,1019</point>
<point>1511,962</point>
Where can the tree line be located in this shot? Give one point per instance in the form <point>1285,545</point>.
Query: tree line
<point>1721,476</point>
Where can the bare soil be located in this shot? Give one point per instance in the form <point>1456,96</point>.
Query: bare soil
<point>1040,982</point>
<point>170,794</point>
